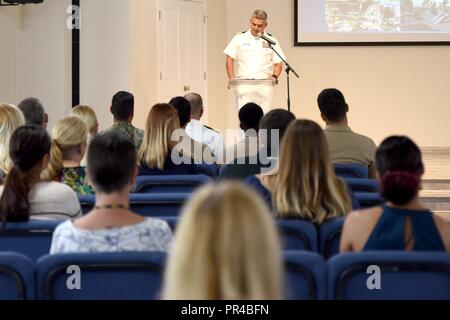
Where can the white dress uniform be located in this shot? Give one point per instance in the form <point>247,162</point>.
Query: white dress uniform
<point>200,133</point>
<point>255,60</point>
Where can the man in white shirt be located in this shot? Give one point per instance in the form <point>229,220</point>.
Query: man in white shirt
<point>198,131</point>
<point>255,60</point>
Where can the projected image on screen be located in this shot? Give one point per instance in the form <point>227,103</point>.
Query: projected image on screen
<point>353,15</point>
<point>373,21</point>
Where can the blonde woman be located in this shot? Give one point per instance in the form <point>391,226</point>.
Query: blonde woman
<point>87,114</point>
<point>69,141</point>
<point>10,119</point>
<point>226,247</point>
<point>305,186</point>
<point>155,155</point>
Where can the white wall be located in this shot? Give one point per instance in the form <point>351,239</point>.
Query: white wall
<point>9,28</point>
<point>44,57</point>
<point>104,54</point>
<point>389,89</point>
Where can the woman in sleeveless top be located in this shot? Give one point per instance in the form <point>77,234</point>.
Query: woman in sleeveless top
<point>403,223</point>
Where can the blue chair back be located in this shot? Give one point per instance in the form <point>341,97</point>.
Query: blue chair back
<point>304,276</point>
<point>170,183</point>
<point>403,275</point>
<point>330,237</point>
<point>32,238</point>
<point>211,170</point>
<point>369,199</point>
<point>16,277</point>
<point>297,234</point>
<point>350,170</point>
<point>147,204</point>
<point>362,185</point>
<point>104,276</point>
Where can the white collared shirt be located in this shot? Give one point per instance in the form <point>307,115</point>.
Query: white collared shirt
<point>198,132</point>
<point>255,59</point>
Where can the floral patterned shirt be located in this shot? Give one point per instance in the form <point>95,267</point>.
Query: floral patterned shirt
<point>76,179</point>
<point>149,235</point>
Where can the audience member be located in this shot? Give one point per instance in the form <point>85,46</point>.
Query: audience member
<point>197,151</point>
<point>200,132</point>
<point>305,186</point>
<point>10,119</point>
<point>23,195</point>
<point>111,226</point>
<point>157,154</point>
<point>69,143</point>
<point>345,145</point>
<point>273,124</point>
<point>403,223</point>
<point>122,107</point>
<point>249,117</point>
<point>34,112</point>
<point>87,114</point>
<point>226,247</point>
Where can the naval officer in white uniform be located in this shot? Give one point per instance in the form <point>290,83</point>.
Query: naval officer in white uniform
<point>255,60</point>
<point>200,132</point>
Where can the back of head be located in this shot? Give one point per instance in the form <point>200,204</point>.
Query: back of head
<point>162,121</point>
<point>399,162</point>
<point>67,136</point>
<point>226,247</point>
<point>183,108</point>
<point>250,115</point>
<point>122,106</point>
<point>275,120</point>
<point>87,114</point>
<point>28,146</point>
<point>196,102</point>
<point>111,162</point>
<point>33,111</point>
<point>10,119</point>
<point>332,105</point>
<point>307,186</point>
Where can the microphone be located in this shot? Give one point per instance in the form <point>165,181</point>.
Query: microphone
<point>267,39</point>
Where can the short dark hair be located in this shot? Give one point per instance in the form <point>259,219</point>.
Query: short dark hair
<point>250,114</point>
<point>122,106</point>
<point>183,108</point>
<point>332,104</point>
<point>33,111</point>
<point>111,161</point>
<point>277,119</point>
<point>399,162</point>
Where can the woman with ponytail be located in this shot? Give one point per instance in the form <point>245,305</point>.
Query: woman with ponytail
<point>69,141</point>
<point>403,223</point>
<point>23,195</point>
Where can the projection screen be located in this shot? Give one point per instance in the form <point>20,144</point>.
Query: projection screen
<point>372,22</point>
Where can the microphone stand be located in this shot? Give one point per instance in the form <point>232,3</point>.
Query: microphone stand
<point>288,70</point>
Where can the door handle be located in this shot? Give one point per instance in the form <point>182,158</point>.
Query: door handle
<point>186,88</point>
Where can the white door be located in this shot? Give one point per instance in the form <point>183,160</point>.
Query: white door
<point>181,48</point>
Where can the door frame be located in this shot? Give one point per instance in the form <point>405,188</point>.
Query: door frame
<point>205,53</point>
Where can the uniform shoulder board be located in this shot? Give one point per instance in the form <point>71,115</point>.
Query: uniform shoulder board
<point>243,31</point>
<point>211,129</point>
<point>269,34</point>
